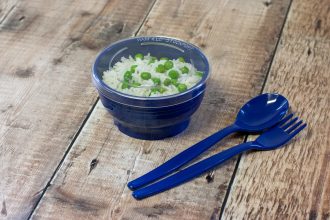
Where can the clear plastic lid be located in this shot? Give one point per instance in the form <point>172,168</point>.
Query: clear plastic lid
<point>156,46</point>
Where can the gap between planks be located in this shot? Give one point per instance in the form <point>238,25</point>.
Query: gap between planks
<point>261,91</point>
<point>63,158</point>
<point>316,209</point>
<point>79,131</point>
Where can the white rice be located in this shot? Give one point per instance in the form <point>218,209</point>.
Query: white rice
<point>114,76</point>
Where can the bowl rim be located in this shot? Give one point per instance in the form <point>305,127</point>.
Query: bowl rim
<point>108,89</point>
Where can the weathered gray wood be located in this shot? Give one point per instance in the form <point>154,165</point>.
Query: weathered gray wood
<point>239,37</point>
<point>293,182</point>
<point>47,48</point>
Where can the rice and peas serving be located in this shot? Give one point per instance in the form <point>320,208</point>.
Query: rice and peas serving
<point>148,76</point>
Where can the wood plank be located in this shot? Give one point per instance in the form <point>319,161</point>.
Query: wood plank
<point>47,48</point>
<point>293,182</point>
<point>239,37</point>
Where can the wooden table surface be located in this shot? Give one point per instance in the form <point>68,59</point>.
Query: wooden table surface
<point>52,124</point>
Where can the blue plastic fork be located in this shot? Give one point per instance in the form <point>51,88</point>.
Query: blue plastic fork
<point>270,140</point>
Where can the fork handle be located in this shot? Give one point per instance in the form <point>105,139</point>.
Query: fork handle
<point>182,158</point>
<point>192,171</point>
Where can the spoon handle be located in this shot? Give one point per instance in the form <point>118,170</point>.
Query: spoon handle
<point>182,158</point>
<point>192,171</point>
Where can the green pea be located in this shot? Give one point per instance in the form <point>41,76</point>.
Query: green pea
<point>160,68</point>
<point>152,60</point>
<point>125,85</point>
<point>156,80</point>
<point>173,74</point>
<point>128,75</point>
<point>181,87</point>
<point>133,67</point>
<point>199,73</point>
<point>181,59</point>
<point>139,56</point>
<point>145,75</point>
<point>136,84</point>
<point>164,58</point>
<point>162,89</point>
<point>154,90</point>
<point>167,81</point>
<point>184,70</point>
<point>174,82</point>
<point>168,64</point>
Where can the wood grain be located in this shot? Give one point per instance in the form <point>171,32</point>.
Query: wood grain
<point>293,182</point>
<point>239,37</point>
<point>47,48</point>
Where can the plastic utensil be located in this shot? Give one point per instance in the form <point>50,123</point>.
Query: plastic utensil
<point>258,114</point>
<point>269,140</point>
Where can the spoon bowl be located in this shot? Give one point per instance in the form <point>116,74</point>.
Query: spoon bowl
<point>262,112</point>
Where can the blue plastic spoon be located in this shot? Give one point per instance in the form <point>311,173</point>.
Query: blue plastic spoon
<point>258,114</point>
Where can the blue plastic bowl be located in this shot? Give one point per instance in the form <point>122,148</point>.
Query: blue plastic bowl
<point>150,118</point>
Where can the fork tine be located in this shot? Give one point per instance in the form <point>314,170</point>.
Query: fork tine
<point>298,130</point>
<point>293,127</point>
<point>289,123</point>
<point>285,119</point>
